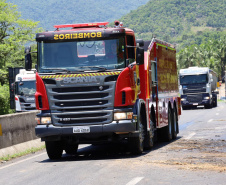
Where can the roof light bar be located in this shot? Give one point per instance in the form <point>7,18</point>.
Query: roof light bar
<point>82,25</point>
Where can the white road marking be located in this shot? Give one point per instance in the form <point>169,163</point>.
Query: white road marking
<point>12,164</point>
<point>210,120</point>
<point>190,136</point>
<point>135,181</point>
<point>220,128</point>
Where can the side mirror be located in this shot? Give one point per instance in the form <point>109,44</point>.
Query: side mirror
<point>140,56</point>
<point>12,87</point>
<point>28,61</point>
<point>140,42</point>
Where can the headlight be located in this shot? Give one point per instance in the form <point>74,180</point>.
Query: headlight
<point>183,99</point>
<point>43,120</point>
<point>123,115</point>
<point>206,98</point>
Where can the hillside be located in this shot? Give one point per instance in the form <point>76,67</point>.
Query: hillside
<point>170,19</point>
<point>54,12</point>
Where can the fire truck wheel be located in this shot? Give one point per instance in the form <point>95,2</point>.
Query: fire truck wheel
<point>149,137</point>
<point>136,144</point>
<point>175,124</point>
<point>71,149</point>
<point>54,149</point>
<point>168,130</point>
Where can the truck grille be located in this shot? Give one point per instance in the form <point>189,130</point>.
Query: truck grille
<point>198,90</point>
<point>81,104</point>
<point>27,106</point>
<point>194,98</point>
<point>195,88</point>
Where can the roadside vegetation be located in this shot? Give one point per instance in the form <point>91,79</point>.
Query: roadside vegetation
<point>26,152</point>
<point>196,27</point>
<point>210,53</point>
<point>14,34</point>
<point>70,11</point>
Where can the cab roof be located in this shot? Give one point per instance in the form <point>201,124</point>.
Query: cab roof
<point>118,29</point>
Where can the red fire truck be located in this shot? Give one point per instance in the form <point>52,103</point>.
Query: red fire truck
<point>98,84</point>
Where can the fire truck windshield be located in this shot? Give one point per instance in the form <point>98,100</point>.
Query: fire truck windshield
<point>193,79</point>
<point>79,55</point>
<point>25,88</point>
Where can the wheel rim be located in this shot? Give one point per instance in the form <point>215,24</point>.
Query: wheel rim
<point>141,135</point>
<point>175,122</point>
<point>170,123</point>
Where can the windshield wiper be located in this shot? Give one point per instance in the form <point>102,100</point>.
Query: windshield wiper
<point>57,69</point>
<point>97,67</point>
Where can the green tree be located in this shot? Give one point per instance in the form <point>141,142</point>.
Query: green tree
<point>220,54</point>
<point>188,57</point>
<point>14,34</point>
<point>210,53</point>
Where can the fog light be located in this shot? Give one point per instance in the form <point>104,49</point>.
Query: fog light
<point>43,120</point>
<point>46,120</point>
<point>123,115</point>
<point>119,115</point>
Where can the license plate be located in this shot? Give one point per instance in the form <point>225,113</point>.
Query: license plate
<point>195,104</point>
<point>81,129</point>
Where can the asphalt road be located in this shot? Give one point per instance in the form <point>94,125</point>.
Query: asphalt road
<point>198,156</point>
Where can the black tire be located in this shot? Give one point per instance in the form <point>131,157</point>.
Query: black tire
<point>209,106</point>
<point>149,137</point>
<point>136,144</point>
<point>215,100</point>
<point>71,149</point>
<point>54,149</point>
<point>168,129</point>
<point>175,124</point>
<point>184,108</point>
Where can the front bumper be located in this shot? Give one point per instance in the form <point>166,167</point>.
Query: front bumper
<point>195,100</point>
<point>189,104</point>
<point>123,126</point>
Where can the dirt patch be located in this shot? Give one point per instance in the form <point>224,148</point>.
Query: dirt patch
<point>193,154</point>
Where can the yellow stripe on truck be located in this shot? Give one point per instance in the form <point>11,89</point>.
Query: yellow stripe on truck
<point>80,75</point>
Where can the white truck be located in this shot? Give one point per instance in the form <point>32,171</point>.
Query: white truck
<point>198,86</point>
<point>23,91</point>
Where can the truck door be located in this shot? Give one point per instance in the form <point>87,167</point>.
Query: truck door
<point>154,86</point>
<point>12,74</point>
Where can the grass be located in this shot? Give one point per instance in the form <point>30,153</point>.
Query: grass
<point>221,100</point>
<point>26,152</point>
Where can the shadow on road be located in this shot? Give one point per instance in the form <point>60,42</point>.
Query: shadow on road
<point>106,152</point>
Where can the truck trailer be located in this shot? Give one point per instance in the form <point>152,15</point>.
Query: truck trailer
<point>98,84</point>
<point>198,86</point>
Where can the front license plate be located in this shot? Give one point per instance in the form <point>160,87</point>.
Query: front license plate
<point>195,103</point>
<point>81,129</point>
